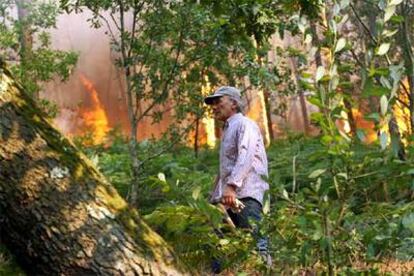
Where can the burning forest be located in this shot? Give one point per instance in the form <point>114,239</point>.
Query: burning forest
<point>206,137</point>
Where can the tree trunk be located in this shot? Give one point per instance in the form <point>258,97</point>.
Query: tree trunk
<point>196,136</point>
<point>395,136</point>
<point>133,141</point>
<point>266,97</point>
<point>26,44</point>
<point>58,215</point>
<point>408,55</point>
<point>25,35</point>
<point>302,99</point>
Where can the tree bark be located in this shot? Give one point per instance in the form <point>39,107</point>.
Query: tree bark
<point>58,215</point>
<point>25,34</point>
<point>26,43</point>
<point>302,99</point>
<point>406,29</point>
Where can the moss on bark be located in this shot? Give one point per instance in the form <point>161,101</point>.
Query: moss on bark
<point>58,213</point>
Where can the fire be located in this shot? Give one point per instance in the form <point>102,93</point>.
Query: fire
<point>94,117</point>
<point>402,114</point>
<point>206,127</point>
<point>371,134</point>
<point>208,123</point>
<point>257,112</point>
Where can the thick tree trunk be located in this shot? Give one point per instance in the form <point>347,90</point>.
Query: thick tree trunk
<point>58,215</point>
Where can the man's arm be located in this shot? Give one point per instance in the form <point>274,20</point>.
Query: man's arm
<point>246,146</point>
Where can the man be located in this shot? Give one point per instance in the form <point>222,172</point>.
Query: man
<point>243,162</point>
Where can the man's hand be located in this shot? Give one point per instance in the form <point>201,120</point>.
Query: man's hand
<point>229,196</point>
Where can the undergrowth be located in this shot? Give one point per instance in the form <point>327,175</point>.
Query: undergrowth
<point>326,213</point>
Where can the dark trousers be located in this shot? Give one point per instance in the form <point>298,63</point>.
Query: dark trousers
<point>252,212</point>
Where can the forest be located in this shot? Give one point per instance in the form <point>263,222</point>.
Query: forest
<point>109,154</point>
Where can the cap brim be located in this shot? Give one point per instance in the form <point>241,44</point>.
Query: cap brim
<point>210,99</point>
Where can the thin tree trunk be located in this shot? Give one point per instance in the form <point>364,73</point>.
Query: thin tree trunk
<point>25,39</point>
<point>395,134</point>
<point>25,36</point>
<point>405,41</point>
<point>266,106</point>
<point>132,104</point>
<point>351,118</point>
<point>133,140</point>
<point>397,144</point>
<point>302,99</point>
<point>58,215</point>
<point>196,135</point>
<point>318,56</point>
<point>269,115</point>
<point>135,164</point>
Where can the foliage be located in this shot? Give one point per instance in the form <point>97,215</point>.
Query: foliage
<point>335,202</point>
<point>166,60</point>
<point>25,44</point>
<point>337,220</point>
<point>318,217</point>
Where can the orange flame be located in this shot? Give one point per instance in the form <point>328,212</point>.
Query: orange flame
<point>207,135</point>
<point>94,117</point>
<point>371,134</point>
<point>402,113</point>
<point>208,123</point>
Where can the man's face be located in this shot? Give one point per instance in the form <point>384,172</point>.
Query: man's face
<point>223,108</point>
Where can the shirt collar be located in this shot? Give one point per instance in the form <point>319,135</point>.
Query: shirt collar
<point>232,119</point>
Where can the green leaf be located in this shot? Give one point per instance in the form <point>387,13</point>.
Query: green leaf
<point>395,2</point>
<point>389,33</point>
<point>317,235</point>
<point>340,44</point>
<point>285,194</point>
<point>383,49</point>
<point>315,101</point>
<point>196,192</point>
<point>371,89</point>
<point>266,205</point>
<point>224,242</point>
<point>389,12</point>
<point>385,82</point>
<point>344,175</point>
<point>397,19</point>
<point>320,72</point>
<point>334,82</point>
<point>383,140</point>
<point>383,105</point>
<point>316,173</point>
<point>332,26</point>
<point>161,176</point>
<point>374,117</point>
<point>379,71</point>
<point>408,222</point>
<point>308,39</point>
